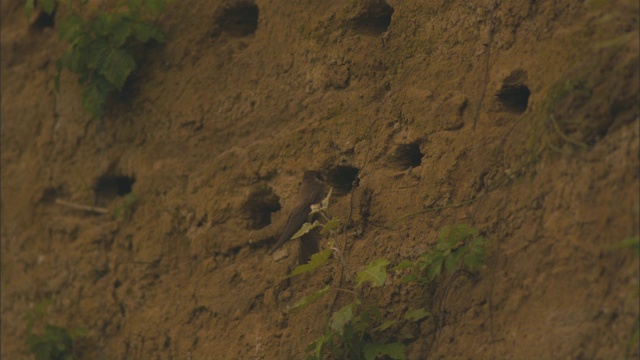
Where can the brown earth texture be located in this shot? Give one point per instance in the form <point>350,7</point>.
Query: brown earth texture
<point>517,118</point>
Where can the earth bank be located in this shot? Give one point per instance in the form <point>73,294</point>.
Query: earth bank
<point>518,118</point>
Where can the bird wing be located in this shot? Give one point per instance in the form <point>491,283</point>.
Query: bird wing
<point>297,217</point>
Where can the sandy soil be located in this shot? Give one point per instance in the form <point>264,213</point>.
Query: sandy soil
<point>519,118</point>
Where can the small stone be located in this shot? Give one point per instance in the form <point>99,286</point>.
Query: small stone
<point>209,264</point>
<point>285,295</point>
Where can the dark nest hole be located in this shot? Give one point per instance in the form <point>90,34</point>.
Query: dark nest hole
<point>50,194</point>
<point>110,187</point>
<point>374,19</point>
<point>515,98</point>
<point>343,178</point>
<point>239,19</point>
<point>44,20</point>
<point>259,206</point>
<point>407,156</point>
<point>514,94</point>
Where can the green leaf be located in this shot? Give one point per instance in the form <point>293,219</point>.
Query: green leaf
<point>474,259</point>
<point>29,5</point>
<point>409,278</point>
<point>117,67</point>
<point>330,225</point>
<point>341,318</point>
<point>306,227</point>
<point>426,260</point>
<point>308,300</point>
<point>93,99</point>
<point>159,36</point>
<point>405,335</point>
<point>387,324</point>
<point>98,44</point>
<point>632,242</point>
<point>349,335</point>
<point>317,260</point>
<point>404,264</point>
<point>71,61</point>
<point>393,350</point>
<point>445,242</point>
<point>451,263</point>
<point>133,5</point>
<point>78,333</point>
<point>48,6</point>
<point>36,314</point>
<point>95,52</point>
<point>317,346</point>
<point>59,334</point>
<point>453,236</point>
<point>71,28</point>
<point>375,272</point>
<point>100,24</point>
<point>144,32</point>
<point>120,31</point>
<point>54,343</point>
<point>41,350</point>
<point>417,314</point>
<point>156,6</point>
<point>363,322</point>
<point>435,267</point>
<point>124,210</point>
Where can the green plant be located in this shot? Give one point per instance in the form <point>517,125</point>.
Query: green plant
<point>51,342</point>
<point>631,243</point>
<point>105,47</point>
<point>358,330</point>
<point>459,247</point>
<point>126,207</point>
<point>48,6</point>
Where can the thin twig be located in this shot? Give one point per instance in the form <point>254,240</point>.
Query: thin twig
<point>564,136</point>
<point>338,253</point>
<point>491,327</point>
<point>88,208</point>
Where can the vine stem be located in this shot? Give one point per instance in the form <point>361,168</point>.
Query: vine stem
<point>486,65</point>
<point>342,259</point>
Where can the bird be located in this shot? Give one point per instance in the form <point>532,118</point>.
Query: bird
<point>312,191</point>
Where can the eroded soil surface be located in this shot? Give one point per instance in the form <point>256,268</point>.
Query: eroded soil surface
<point>519,118</point>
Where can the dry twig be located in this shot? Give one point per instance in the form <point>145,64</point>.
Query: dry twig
<point>88,208</point>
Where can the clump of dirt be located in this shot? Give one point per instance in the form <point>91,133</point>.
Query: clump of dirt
<point>517,118</point>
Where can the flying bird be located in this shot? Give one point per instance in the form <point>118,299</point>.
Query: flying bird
<point>312,191</point>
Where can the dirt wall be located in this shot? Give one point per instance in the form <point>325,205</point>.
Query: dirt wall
<point>519,118</point>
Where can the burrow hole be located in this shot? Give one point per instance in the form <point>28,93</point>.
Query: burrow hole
<point>109,187</point>
<point>374,19</point>
<point>50,194</point>
<point>44,20</point>
<point>406,156</point>
<point>237,19</point>
<point>259,206</point>
<point>514,93</point>
<point>342,178</point>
